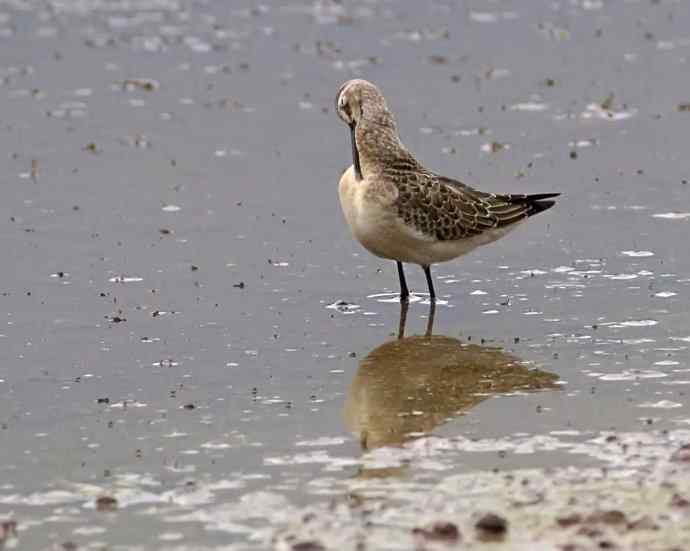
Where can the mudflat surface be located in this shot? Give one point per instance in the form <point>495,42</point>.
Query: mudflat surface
<point>188,327</point>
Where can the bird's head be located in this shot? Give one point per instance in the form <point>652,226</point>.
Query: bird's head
<point>359,99</point>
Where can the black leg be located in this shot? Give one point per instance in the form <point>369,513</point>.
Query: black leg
<point>404,305</point>
<point>404,293</point>
<point>429,282</point>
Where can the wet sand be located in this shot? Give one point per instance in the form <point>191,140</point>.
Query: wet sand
<point>190,329</point>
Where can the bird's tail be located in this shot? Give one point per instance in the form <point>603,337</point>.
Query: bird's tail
<point>537,203</point>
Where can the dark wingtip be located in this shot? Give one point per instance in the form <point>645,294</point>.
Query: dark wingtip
<point>540,196</point>
<point>537,203</point>
<point>540,206</point>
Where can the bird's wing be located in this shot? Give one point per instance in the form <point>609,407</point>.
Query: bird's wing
<point>447,210</point>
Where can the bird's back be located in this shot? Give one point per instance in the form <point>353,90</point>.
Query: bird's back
<point>448,210</point>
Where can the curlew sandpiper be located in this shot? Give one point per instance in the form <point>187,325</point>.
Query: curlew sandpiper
<point>399,210</point>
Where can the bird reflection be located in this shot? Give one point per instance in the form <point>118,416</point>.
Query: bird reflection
<point>406,387</point>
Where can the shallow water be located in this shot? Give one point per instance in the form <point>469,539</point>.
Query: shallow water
<point>188,324</point>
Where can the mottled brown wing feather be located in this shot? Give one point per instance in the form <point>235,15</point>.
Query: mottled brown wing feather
<point>448,210</point>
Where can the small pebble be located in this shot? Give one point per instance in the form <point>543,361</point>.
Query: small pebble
<point>491,527</point>
<point>679,501</point>
<point>608,517</point>
<point>439,531</point>
<point>570,520</point>
<point>106,504</point>
<point>308,546</point>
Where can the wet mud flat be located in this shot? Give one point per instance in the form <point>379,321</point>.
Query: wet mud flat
<point>195,354</point>
<point>639,500</point>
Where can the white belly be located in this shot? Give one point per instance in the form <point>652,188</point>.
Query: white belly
<point>373,219</point>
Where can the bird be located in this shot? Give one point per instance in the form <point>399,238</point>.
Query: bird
<point>400,210</point>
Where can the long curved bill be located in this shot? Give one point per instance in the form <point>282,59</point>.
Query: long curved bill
<point>355,153</point>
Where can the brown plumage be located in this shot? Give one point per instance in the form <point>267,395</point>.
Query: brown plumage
<point>400,210</point>
<point>449,210</point>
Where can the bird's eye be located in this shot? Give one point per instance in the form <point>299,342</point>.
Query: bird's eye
<point>342,101</point>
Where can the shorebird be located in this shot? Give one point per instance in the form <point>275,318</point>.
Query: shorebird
<point>398,209</point>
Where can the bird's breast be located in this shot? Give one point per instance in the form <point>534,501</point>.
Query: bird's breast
<point>370,210</point>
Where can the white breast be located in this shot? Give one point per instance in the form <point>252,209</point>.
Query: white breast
<point>371,217</point>
<point>374,222</point>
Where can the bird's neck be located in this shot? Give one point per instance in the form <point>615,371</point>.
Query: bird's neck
<point>379,147</point>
